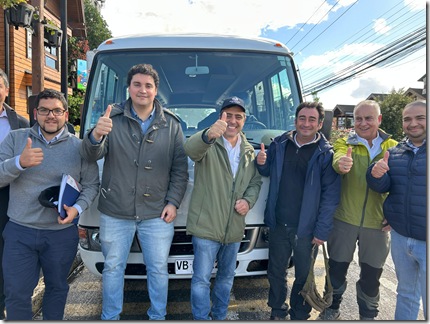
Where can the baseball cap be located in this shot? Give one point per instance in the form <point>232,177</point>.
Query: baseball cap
<point>233,101</point>
<point>49,197</point>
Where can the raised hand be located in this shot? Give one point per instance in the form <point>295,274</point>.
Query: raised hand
<point>104,125</point>
<point>30,156</point>
<point>218,128</point>
<point>261,156</point>
<point>345,162</point>
<point>381,167</point>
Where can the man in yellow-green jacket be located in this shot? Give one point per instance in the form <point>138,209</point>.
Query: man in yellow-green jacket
<point>359,218</point>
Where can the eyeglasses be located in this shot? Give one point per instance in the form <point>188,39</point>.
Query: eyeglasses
<point>45,111</point>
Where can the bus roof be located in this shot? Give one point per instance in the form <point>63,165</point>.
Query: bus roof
<point>194,41</point>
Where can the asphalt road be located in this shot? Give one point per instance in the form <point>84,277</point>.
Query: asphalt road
<point>248,297</point>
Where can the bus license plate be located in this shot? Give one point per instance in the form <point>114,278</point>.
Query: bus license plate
<point>185,266</point>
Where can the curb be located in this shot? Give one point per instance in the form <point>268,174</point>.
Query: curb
<point>37,298</point>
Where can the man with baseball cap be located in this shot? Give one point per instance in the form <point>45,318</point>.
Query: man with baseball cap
<point>226,186</point>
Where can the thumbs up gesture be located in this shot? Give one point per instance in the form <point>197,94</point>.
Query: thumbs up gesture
<point>381,167</point>
<point>104,125</point>
<point>30,156</point>
<point>345,162</point>
<point>261,156</point>
<point>218,128</point>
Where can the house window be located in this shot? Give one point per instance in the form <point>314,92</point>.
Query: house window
<point>29,38</point>
<point>51,53</point>
<point>51,57</point>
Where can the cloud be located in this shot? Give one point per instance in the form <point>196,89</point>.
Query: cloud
<point>238,17</point>
<point>415,5</point>
<point>315,67</point>
<point>380,26</point>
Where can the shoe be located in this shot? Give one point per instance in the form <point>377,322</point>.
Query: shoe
<point>277,318</point>
<point>363,318</point>
<point>329,314</point>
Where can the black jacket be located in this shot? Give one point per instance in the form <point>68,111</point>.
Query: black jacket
<point>15,121</point>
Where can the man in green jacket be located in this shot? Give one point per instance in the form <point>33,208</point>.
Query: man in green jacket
<point>226,187</point>
<point>359,219</point>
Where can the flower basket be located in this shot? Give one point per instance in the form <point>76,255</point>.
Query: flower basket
<point>20,15</point>
<point>52,36</point>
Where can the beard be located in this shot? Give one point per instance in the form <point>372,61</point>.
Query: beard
<point>59,128</point>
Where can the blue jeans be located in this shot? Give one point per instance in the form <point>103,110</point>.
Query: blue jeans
<point>409,257</point>
<point>205,254</point>
<point>283,243</point>
<point>26,251</point>
<point>116,236</point>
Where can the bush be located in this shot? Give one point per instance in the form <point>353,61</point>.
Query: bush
<point>338,133</point>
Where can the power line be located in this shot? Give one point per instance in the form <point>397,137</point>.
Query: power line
<point>305,22</point>
<point>315,24</point>
<point>399,27</point>
<point>389,54</point>
<point>328,26</point>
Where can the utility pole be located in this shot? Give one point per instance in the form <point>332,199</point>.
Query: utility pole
<point>38,51</point>
<point>64,49</point>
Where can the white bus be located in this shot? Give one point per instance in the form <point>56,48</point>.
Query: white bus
<point>197,72</point>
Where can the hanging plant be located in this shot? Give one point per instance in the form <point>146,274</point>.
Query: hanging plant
<point>52,33</point>
<point>18,12</point>
<point>10,3</point>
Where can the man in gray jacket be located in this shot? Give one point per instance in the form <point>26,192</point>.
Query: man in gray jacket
<point>226,187</point>
<point>144,179</point>
<point>36,237</point>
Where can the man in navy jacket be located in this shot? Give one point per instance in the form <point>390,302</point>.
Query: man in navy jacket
<point>304,192</point>
<point>402,173</point>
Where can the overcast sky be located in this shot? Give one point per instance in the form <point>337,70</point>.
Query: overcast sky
<point>325,36</point>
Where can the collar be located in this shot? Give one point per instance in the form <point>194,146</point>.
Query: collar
<point>410,144</point>
<point>227,144</point>
<point>365,141</point>
<point>52,140</point>
<point>135,116</point>
<point>308,143</point>
<point>3,113</point>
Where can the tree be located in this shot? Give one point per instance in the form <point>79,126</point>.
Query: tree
<point>391,109</point>
<point>97,32</point>
<point>315,96</point>
<point>97,28</point>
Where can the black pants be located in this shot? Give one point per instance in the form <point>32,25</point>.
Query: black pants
<point>282,243</point>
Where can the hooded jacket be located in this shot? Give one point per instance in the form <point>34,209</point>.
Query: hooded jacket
<point>321,191</point>
<point>142,172</point>
<point>359,205</point>
<point>211,214</point>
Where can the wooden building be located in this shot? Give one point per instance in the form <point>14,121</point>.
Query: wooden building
<point>31,65</point>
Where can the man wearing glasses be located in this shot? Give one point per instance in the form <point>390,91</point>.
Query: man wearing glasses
<point>36,237</point>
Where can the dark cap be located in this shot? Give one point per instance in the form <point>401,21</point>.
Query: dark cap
<point>233,101</point>
<point>49,197</point>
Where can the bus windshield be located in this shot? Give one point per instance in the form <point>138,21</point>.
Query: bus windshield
<point>194,83</point>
